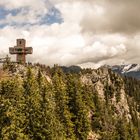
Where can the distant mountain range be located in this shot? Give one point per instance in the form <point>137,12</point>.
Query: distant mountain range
<point>71,69</point>
<point>131,70</point>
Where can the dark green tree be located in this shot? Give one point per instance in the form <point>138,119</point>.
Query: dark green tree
<point>62,100</point>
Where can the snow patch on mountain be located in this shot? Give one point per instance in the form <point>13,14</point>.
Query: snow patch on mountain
<point>131,68</point>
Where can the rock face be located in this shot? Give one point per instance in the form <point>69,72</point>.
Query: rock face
<point>113,91</point>
<point>101,79</point>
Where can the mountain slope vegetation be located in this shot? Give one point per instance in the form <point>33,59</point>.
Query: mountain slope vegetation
<point>42,103</point>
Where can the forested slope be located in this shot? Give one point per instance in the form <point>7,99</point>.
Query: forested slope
<point>39,103</point>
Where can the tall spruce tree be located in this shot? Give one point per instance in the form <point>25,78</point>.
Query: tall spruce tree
<point>51,126</point>
<point>78,108</point>
<point>62,100</point>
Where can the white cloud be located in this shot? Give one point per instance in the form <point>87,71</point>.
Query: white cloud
<point>64,48</point>
<point>66,43</point>
<point>14,4</point>
<point>29,11</point>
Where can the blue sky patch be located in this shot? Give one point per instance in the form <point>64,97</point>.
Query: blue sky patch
<point>53,16</point>
<point>4,12</point>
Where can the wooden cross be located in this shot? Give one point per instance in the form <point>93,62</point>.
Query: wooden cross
<point>21,51</point>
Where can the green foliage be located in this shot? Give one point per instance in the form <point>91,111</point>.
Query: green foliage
<point>63,108</point>
<point>62,100</point>
<point>78,107</point>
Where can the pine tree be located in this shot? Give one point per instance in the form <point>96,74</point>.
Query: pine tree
<point>32,103</point>
<point>61,100</point>
<point>78,108</point>
<point>51,126</point>
<point>12,105</point>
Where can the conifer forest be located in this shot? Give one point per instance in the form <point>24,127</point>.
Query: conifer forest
<point>43,103</point>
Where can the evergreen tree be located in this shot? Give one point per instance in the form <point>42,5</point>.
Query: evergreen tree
<point>51,126</point>
<point>32,103</point>
<point>62,100</point>
<point>78,108</point>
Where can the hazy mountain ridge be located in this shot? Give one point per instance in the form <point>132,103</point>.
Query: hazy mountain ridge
<point>130,70</point>
<point>50,104</point>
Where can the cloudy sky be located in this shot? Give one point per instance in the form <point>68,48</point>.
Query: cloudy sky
<point>73,32</point>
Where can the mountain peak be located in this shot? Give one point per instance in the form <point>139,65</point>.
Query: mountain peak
<point>130,70</point>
